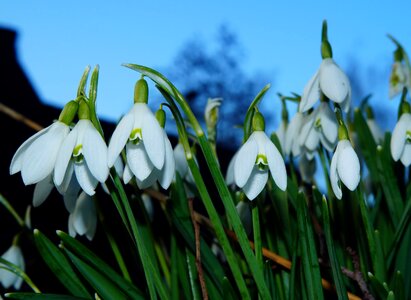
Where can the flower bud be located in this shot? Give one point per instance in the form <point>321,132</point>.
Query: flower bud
<point>141,91</point>
<point>69,112</point>
<point>258,122</point>
<point>83,111</point>
<point>161,117</point>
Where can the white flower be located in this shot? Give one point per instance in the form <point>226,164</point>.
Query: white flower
<point>376,131</point>
<point>182,165</point>
<point>345,168</point>
<point>211,111</point>
<point>281,134</point>
<point>229,177</point>
<point>399,78</point>
<point>253,160</point>
<point>164,175</point>
<point>307,168</point>
<point>83,152</point>
<point>143,137</point>
<point>320,126</point>
<point>332,82</point>
<point>36,157</point>
<point>83,219</point>
<point>292,144</point>
<point>401,140</point>
<point>8,278</point>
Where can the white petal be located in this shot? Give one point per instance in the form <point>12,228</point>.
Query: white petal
<point>311,93</point>
<point>180,159</point>
<point>312,140</point>
<point>276,165</point>
<point>17,159</point>
<point>71,194</point>
<point>229,177</point>
<point>71,230</point>
<point>15,256</point>
<point>255,183</point>
<point>127,175</point>
<point>68,177</point>
<point>42,190</point>
<point>84,178</point>
<point>64,156</point>
<point>167,173</point>
<point>138,161</point>
<point>85,215</point>
<point>153,140</point>
<point>326,143</point>
<point>292,133</point>
<point>398,137</point>
<point>307,126</point>
<point>329,124</point>
<point>119,138</point>
<point>333,82</point>
<point>281,135</point>
<point>245,161</point>
<point>335,184</point>
<point>149,181</point>
<point>348,165</point>
<point>40,157</point>
<point>95,153</point>
<point>345,105</point>
<point>119,166</point>
<point>406,155</point>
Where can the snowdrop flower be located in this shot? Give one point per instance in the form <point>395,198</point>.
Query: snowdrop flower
<point>401,140</point>
<point>8,278</point>
<point>332,82</point>
<point>400,77</point>
<point>281,134</point>
<point>182,165</point>
<point>83,153</point>
<point>142,136</point>
<point>255,158</point>
<point>319,126</point>
<point>345,167</point>
<point>292,144</point>
<point>83,219</point>
<point>229,177</point>
<point>307,168</point>
<point>211,112</point>
<point>164,176</point>
<point>36,157</point>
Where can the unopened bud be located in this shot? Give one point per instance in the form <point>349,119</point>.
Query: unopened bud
<point>161,117</point>
<point>69,112</point>
<point>141,91</point>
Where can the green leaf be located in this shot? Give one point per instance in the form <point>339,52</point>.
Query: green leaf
<point>335,265</point>
<point>250,112</point>
<point>35,296</point>
<point>379,288</point>
<point>19,272</point>
<point>104,287</point>
<point>93,260</point>
<point>81,91</point>
<point>309,257</point>
<point>59,265</point>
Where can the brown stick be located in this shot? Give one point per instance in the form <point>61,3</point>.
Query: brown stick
<point>198,253</point>
<point>19,117</point>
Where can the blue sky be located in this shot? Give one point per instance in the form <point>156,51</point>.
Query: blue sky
<point>58,39</point>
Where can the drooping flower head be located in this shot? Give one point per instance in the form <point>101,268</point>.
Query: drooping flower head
<point>400,76</point>
<point>147,146</point>
<point>329,80</point>
<point>7,277</point>
<point>37,156</point>
<point>255,158</point>
<point>83,217</point>
<point>84,154</point>
<point>345,165</point>
<point>401,136</point>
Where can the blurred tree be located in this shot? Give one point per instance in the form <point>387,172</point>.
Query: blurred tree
<point>203,72</point>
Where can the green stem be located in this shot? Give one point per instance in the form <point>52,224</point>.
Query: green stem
<point>163,263</point>
<point>11,210</point>
<point>218,178</point>
<point>257,235</point>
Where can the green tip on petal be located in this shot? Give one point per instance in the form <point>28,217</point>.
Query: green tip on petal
<point>83,111</point>
<point>141,91</point>
<point>161,117</point>
<point>69,112</point>
<point>258,122</point>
